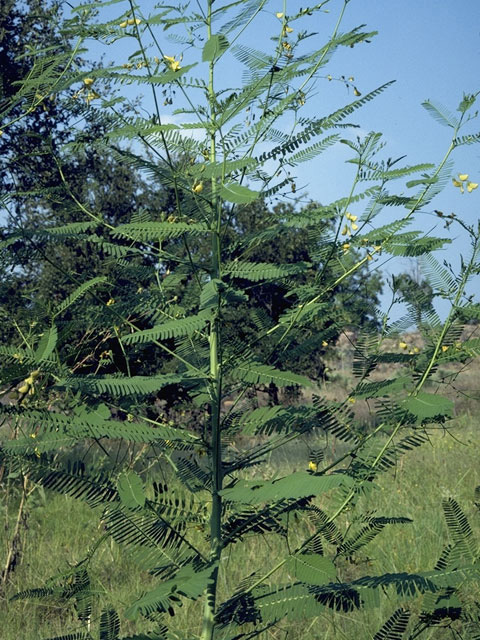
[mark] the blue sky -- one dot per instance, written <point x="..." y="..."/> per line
<point x="430" y="48"/>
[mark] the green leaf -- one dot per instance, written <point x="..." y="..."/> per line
<point x="173" y="329"/>
<point x="130" y="490"/>
<point x="47" y="344"/>
<point x="79" y="292"/>
<point x="441" y="115"/>
<point x="77" y="635"/>
<point x="395" y="627"/>
<point x="381" y="388"/>
<point x="155" y="231"/>
<point x="264" y="374"/>
<point x="467" y="101"/>
<point x="224" y="168"/>
<point x="428" y="405"/>
<point x="297" y="485"/>
<point x="109" y="625"/>
<point x="214" y="47"/>
<point x="312" y="568"/>
<point x="237" y="193"/>
<point x="140" y="385"/>
<point x="187" y="582"/>
<point x="209" y="296"/>
<point x="257" y="271"/>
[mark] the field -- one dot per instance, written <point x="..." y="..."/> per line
<point x="447" y="467"/>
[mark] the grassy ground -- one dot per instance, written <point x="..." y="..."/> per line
<point x="57" y="531"/>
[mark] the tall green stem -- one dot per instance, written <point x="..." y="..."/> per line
<point x="208" y="627"/>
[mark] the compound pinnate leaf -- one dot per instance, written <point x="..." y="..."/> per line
<point x="237" y="193"/>
<point x="428" y="405"/>
<point x="130" y="490"/>
<point x="214" y="47"/>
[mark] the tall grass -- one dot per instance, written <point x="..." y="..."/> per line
<point x="58" y="529"/>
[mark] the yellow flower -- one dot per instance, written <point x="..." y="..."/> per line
<point x="286" y="45"/>
<point x="356" y="92"/>
<point x="110" y="302"/>
<point x="133" y="21"/>
<point x="88" y="82"/>
<point x="1" y="132"/>
<point x="463" y="177"/>
<point x="91" y="95"/>
<point x="198" y="188"/>
<point x="346" y="231"/>
<point x="123" y="24"/>
<point x="354" y="226"/>
<point x="288" y="29"/>
<point x="33" y="435"/>
<point x="351" y="79"/>
<point x="351" y="400"/>
<point x="351" y="217"/>
<point x="174" y="65"/>
<point x="444" y="348"/>
<point x="324" y="343"/>
<point x="313" y="466"/>
<point x="24" y="388"/>
<point x="403" y="345"/>
<point x="345" y="247"/>
<point x="279" y="15"/>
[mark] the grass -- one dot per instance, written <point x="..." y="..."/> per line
<point x="58" y="529"/>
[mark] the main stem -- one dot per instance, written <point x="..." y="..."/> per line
<point x="208" y="627"/>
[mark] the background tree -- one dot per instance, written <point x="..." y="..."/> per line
<point x="40" y="167"/>
<point x="416" y="292"/>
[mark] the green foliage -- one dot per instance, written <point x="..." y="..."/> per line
<point x="196" y="288"/>
<point x="395" y="627"/>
